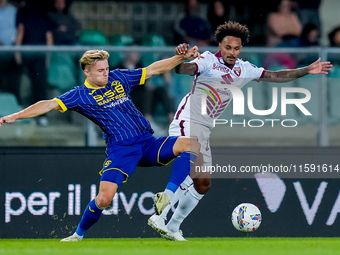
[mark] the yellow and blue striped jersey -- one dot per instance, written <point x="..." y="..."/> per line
<point x="110" y="107"/>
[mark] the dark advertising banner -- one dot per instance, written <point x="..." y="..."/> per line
<point x="43" y="192"/>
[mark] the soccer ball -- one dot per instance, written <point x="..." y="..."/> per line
<point x="246" y="217"/>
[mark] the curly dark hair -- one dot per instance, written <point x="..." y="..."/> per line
<point x="232" y="28"/>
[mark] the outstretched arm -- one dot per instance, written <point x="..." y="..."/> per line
<point x="287" y="75"/>
<point x="185" y="68"/>
<point x="34" y="110"/>
<point x="164" y="65"/>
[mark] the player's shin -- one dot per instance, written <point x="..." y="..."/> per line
<point x="180" y="170"/>
<point x="186" y="204"/>
<point x="91" y="215"/>
<point x="157" y="222"/>
<point x="177" y="195"/>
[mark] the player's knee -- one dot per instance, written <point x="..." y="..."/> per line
<point x="202" y="185"/>
<point x="188" y="144"/>
<point x="103" y="200"/>
<point x="194" y="145"/>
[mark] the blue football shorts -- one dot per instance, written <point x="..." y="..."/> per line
<point x="147" y="150"/>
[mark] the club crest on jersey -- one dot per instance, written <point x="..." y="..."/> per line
<point x="237" y="71"/>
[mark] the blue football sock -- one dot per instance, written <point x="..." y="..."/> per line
<point x="91" y="216"/>
<point x="181" y="169"/>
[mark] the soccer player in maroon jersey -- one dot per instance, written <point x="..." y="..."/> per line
<point x="212" y="72"/>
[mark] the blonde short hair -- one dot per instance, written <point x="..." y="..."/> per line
<point x="91" y="57"/>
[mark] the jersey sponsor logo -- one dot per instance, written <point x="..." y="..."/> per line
<point x="119" y="101"/>
<point x="220" y="68"/>
<point x="117" y="92"/>
<point x="224" y="91"/>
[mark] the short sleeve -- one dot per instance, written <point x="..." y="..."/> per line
<point x="129" y="78"/>
<point x="203" y="63"/>
<point x="254" y="72"/>
<point x="69" y="100"/>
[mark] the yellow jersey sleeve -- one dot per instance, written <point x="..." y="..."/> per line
<point x="61" y="104"/>
<point x="142" y="79"/>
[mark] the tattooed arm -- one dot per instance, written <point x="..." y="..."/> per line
<point x="287" y="75"/>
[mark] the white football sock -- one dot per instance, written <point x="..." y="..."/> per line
<point x="187" y="182"/>
<point x="186" y="204"/>
<point x="177" y="195"/>
<point x="169" y="193"/>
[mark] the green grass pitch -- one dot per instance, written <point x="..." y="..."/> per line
<point x="158" y="246"/>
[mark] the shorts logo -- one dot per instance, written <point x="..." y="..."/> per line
<point x="107" y="163"/>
